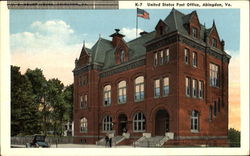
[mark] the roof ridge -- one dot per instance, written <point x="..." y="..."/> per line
<point x="97" y="45"/>
<point x="139" y="37"/>
<point x="175" y="22"/>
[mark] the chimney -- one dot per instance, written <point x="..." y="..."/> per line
<point x="143" y="33"/>
<point x="117" y="37"/>
<point x="222" y="45"/>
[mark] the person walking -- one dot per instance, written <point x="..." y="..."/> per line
<point x="110" y="142"/>
<point x="107" y="140"/>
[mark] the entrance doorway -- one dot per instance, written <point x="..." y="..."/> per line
<point x="122" y="126"/>
<point x="161" y="123"/>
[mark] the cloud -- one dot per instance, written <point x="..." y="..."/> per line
<point x="51" y="45"/>
<point x="130" y="33"/>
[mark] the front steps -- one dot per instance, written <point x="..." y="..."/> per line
<point x="145" y="141"/>
<point x="115" y="139"/>
<point x="156" y="141"/>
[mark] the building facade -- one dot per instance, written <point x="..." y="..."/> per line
<point x="173" y="79"/>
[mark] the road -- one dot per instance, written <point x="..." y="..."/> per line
<point x="76" y="146"/>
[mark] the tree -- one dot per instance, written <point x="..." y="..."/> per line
<point x="68" y="98"/>
<point x="57" y="103"/>
<point x="39" y="88"/>
<point x="24" y="114"/>
<point x="234" y="137"/>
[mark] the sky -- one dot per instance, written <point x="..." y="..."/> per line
<point x="52" y="39"/>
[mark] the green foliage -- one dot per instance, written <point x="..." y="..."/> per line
<point x="56" y="101"/>
<point x="37" y="104"/>
<point x="24" y="115"/>
<point x="234" y="137"/>
<point x="68" y="98"/>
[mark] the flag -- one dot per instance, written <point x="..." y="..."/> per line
<point x="142" y="13"/>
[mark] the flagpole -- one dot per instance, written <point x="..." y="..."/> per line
<point x="136" y="21"/>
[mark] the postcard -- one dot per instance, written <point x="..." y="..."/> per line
<point x="124" y="77"/>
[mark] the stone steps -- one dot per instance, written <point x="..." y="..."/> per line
<point x="155" y="141"/>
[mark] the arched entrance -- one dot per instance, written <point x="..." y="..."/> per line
<point x="161" y="122"/>
<point x="122" y="125"/>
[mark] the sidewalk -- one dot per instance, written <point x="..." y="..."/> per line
<point x="76" y="146"/>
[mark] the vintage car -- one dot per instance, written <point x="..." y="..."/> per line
<point x="38" y="142"/>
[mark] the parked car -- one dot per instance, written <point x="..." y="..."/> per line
<point x="38" y="142"/>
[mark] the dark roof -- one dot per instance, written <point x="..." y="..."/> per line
<point x="103" y="50"/>
<point x="99" y="50"/>
<point x="136" y="50"/>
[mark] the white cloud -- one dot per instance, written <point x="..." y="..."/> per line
<point x="44" y="36"/>
<point x="130" y="33"/>
<point x="51" y="46"/>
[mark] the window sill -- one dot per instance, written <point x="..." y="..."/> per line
<point x="106" y="131"/>
<point x="106" y="105"/>
<point x="194" y="131"/>
<point x="121" y="103"/>
<point x="139" y="131"/>
<point x="138" y="100"/>
<point x="157" y="97"/>
<point x="215" y="87"/>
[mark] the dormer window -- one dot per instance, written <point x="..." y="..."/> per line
<point x="122" y="56"/>
<point x="194" y="32"/>
<point x="161" y="30"/>
<point x="214" y="43"/>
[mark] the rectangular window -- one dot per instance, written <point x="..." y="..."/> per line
<point x="155" y="59"/>
<point x="219" y="105"/>
<point x="81" y="102"/>
<point x="214" y="43"/>
<point x="165" y="86"/>
<point x="194" y="59"/>
<point x="215" y="108"/>
<point x="201" y="89"/>
<point x="157" y="88"/>
<point x="210" y="113"/>
<point x="186" y="56"/>
<point x="188" y="86"/>
<point x="214" y="75"/>
<point x="194" y="88"/>
<point x="85" y="101"/>
<point x="84" y="80"/>
<point x="194" y="32"/>
<point x="80" y="80"/>
<point x="161" y="57"/>
<point x="166" y="55"/>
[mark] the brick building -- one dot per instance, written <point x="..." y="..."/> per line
<point x="173" y="79"/>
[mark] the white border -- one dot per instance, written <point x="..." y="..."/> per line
<point x="244" y="64"/>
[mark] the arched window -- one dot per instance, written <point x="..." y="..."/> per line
<point x="122" y="56"/>
<point x="165" y="86"/>
<point x="107" y="95"/>
<point x="139" y="88"/>
<point x="83" y="125"/>
<point x="139" y="122"/>
<point x="157" y="90"/>
<point x="107" y="123"/>
<point x="122" y="92"/>
<point x="194" y="121"/>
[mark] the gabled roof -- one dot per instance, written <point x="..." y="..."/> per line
<point x="100" y="49"/>
<point x="136" y="49"/>
<point x="103" y="51"/>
